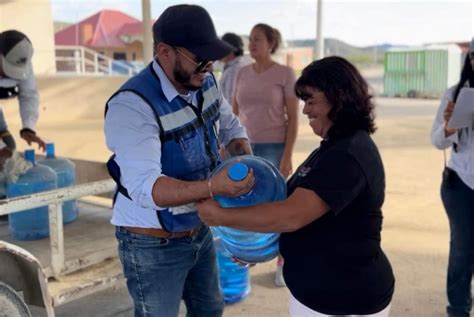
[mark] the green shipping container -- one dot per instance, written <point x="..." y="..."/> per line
<point x="422" y="72"/>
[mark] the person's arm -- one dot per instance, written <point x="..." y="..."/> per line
<point x="301" y="208"/>
<point x="441" y="136"/>
<point x="330" y="186"/>
<point x="291" y="105"/>
<point x="132" y="134"/>
<point x="29" y="110"/>
<point x="231" y="132"/>
<point x="169" y="192"/>
<point x="225" y="85"/>
<point x="235" y="104"/>
<point x="28" y="100"/>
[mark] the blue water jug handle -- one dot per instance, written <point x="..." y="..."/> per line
<point x="238" y="171"/>
<point x="30" y="156"/>
<point x="50" y="150"/>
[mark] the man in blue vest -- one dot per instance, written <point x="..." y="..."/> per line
<point x="164" y="127"/>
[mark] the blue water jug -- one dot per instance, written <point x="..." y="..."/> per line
<point x="234" y="279"/>
<point x="33" y="223"/>
<point x="66" y="172"/>
<point x="269" y="186"/>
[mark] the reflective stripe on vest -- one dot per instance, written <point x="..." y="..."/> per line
<point x="189" y="145"/>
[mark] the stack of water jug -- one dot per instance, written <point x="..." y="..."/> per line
<point x="244" y="246"/>
<point x="47" y="174"/>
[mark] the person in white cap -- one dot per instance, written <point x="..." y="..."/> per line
<point x="17" y="80"/>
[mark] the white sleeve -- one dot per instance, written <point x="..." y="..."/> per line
<point x="29" y="102"/>
<point x="132" y="134"/>
<point x="230" y="127"/>
<point x="438" y="138"/>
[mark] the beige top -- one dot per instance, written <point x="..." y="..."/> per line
<point x="261" y="100"/>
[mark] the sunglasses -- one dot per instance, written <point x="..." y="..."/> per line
<point x="201" y="66"/>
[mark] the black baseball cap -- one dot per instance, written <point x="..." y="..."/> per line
<point x="191" y="27"/>
<point x="16" y="52"/>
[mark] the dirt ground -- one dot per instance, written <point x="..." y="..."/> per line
<point x="415" y="232"/>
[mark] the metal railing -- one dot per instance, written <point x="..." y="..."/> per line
<point x="82" y="60"/>
<point x="54" y="199"/>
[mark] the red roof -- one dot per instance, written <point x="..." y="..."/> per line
<point x="132" y="28"/>
<point x="103" y="29"/>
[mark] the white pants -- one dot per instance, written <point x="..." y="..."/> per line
<point x="299" y="310"/>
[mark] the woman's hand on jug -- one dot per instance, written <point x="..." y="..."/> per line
<point x="210" y="212"/>
<point x="222" y="185"/>
<point x="242" y="262"/>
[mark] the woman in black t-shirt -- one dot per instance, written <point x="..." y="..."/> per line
<point x="332" y="218"/>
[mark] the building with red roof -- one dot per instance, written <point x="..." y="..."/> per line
<point x="110" y="32"/>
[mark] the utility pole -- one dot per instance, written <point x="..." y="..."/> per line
<point x="147" y="34"/>
<point x="319" y="47"/>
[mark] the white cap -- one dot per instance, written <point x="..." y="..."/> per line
<point x="16" y="52"/>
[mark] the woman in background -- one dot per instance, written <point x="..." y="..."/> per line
<point x="457" y="193"/>
<point x="267" y="106"/>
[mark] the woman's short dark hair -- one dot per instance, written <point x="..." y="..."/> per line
<point x="273" y="35"/>
<point x="346" y="91"/>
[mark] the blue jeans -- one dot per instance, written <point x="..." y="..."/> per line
<point x="458" y="200"/>
<point x="160" y="272"/>
<point x="270" y="151"/>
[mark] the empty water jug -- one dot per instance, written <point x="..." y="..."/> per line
<point x="33" y="223"/>
<point x="234" y="279"/>
<point x="269" y="186"/>
<point x="66" y="172"/>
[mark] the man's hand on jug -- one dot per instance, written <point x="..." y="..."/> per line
<point x="210" y="212"/>
<point x="222" y="185"/>
<point x="30" y="137"/>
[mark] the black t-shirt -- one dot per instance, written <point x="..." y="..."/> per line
<point x="335" y="265"/>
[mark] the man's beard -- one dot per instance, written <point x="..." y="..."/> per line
<point x="183" y="77"/>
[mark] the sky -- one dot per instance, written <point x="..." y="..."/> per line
<point x="360" y="23"/>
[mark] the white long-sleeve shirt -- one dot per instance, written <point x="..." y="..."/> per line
<point x="132" y="133"/>
<point x="461" y="160"/>
<point x="27" y="97"/>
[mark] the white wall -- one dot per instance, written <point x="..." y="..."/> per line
<point x="35" y="19"/>
<point x="454" y="62"/>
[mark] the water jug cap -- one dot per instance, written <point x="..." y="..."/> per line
<point x="238" y="171"/>
<point x="50" y="150"/>
<point x="30" y="156"/>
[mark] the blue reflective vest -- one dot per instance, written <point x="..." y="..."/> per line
<point x="189" y="142"/>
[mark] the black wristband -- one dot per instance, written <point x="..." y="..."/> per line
<point x="27" y="130"/>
